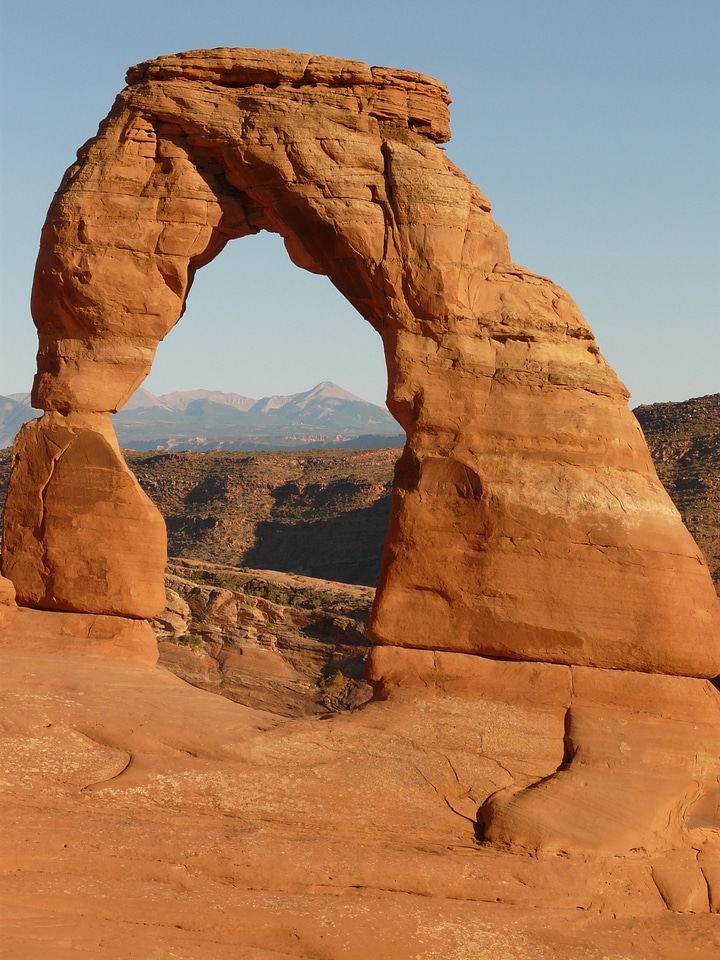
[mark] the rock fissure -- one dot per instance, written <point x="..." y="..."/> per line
<point x="449" y="803"/>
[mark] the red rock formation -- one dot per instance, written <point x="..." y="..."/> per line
<point x="526" y="503"/>
<point x="528" y="522"/>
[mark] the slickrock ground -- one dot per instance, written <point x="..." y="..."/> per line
<point x="145" y="818"/>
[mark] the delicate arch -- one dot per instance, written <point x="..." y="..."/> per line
<point x="525" y="503"/>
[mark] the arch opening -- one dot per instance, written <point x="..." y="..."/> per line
<point x="329" y="514"/>
<point x="257" y="325"/>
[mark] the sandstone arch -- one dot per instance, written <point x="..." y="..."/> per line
<point x="528" y="523"/>
<point x="525" y="503"/>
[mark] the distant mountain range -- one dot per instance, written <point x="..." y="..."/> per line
<point x="13" y="414"/>
<point x="326" y="416"/>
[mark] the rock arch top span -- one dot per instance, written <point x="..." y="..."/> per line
<point x="527" y="522"/>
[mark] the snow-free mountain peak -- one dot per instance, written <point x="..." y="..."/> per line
<point x="326" y="415"/>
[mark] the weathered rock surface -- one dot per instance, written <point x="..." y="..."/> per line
<point x="525" y="503"/>
<point x="640" y="752"/>
<point x="79" y="532"/>
<point x="145" y="818"/>
<point x="50" y="633"/>
<point x="7" y="592"/>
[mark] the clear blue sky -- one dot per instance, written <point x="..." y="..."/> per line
<point x="592" y="125"/>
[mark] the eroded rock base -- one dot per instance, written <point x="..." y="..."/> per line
<point x="638" y="755"/>
<point x="90" y="635"/>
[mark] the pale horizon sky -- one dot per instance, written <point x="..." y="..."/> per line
<point x="592" y="127"/>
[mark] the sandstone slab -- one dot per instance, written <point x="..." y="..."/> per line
<point x="83" y="634"/>
<point x="638" y="755"/>
<point x="145" y="817"/>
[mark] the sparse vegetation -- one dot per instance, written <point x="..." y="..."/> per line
<point x="192" y="640"/>
<point x="291" y="597"/>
